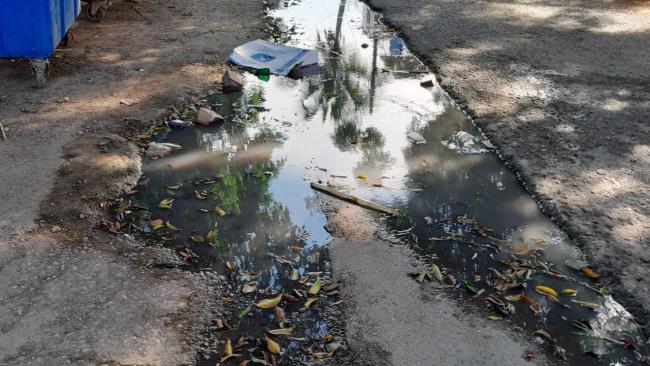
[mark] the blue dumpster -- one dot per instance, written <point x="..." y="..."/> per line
<point x="34" y="28"/>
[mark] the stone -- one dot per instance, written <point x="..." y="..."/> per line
<point x="232" y="81"/>
<point x="206" y="116"/>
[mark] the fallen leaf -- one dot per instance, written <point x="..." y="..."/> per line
<point x="219" y="211"/>
<point x="258" y="360"/>
<point x="313" y="290"/>
<point x="249" y="287"/>
<point x="279" y="314"/>
<point x="210" y="235"/>
<point x="296" y="248"/>
<point x="197" y="238"/>
<point x="494" y="317"/>
<point x="156" y="224"/>
<point x="295" y="275"/>
<point x="362" y="176"/>
<point x="201" y="194"/>
<point x="171" y="226"/>
<point x="309" y="302"/>
<point x="272" y="346"/>
<point x="269" y="303"/>
<point x="586" y="304"/>
<point x="569" y="292"/>
<point x="281" y="331"/>
<point x="245" y="312"/>
<point x="470" y="287"/>
<point x="545" y="290"/>
<point x="589" y="272"/>
<point x="544" y="334"/>
<point x="228" y="351"/>
<point x="166" y="203"/>
<point x="231" y="265"/>
<point x="436" y="272"/>
<point x="228" y="299"/>
<point x="513" y="298"/>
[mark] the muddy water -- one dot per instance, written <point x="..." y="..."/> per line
<point x="244" y="207"/>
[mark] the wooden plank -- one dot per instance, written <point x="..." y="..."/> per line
<point x="356" y="200"/>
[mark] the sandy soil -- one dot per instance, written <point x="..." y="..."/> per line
<point x="69" y="292"/>
<point x="562" y="89"/>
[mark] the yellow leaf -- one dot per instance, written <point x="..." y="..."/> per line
<point x="362" y="176"/>
<point x="210" y="234"/>
<point x="197" y="238"/>
<point x="272" y="346"/>
<point x="545" y="290"/>
<point x="295" y="275"/>
<point x="281" y="331"/>
<point x="166" y="203"/>
<point x="313" y="290"/>
<point x="569" y="292"/>
<point x="171" y="227"/>
<point x="219" y="211"/>
<point x="269" y="303"/>
<point x="513" y="298"/>
<point x="309" y="302"/>
<point x="296" y="248"/>
<point x="228" y="349"/>
<point x="589" y="272"/>
<point x="231" y="265"/>
<point x="494" y="317"/>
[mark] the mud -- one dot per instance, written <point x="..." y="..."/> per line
<point x="540" y="81"/>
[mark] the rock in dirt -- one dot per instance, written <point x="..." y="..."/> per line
<point x="160" y="149"/>
<point x="206" y="116"/>
<point x="232" y="81"/>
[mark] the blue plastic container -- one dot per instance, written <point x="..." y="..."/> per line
<point x="34" y="28"/>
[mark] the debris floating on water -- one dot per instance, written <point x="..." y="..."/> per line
<point x="416" y="138"/>
<point x="356" y="200"/>
<point x="206" y="116"/>
<point x="277" y="58"/>
<point x="160" y="149"/>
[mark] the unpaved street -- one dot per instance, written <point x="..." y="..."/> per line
<point x="70" y="294"/>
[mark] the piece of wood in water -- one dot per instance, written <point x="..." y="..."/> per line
<point x="356" y="200"/>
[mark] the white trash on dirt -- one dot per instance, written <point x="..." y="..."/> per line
<point x="466" y="143"/>
<point x="160" y="149"/>
<point x="279" y="59"/>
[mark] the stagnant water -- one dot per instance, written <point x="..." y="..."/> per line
<point x="243" y="189"/>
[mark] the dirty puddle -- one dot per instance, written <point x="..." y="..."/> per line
<point x="237" y="200"/>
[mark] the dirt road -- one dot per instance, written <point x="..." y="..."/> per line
<point x="69" y="293"/>
<point x="562" y="90"/>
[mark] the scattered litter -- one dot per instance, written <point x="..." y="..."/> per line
<point x="177" y="123"/>
<point x="416" y="138"/>
<point x="279" y="59"/>
<point x="206" y="116"/>
<point x="356" y="200"/>
<point x="232" y="81"/>
<point x="160" y="149"/>
<point x="428" y="81"/>
<point x="465" y="143"/>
